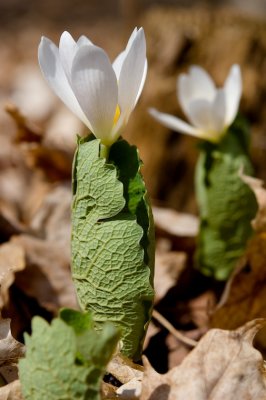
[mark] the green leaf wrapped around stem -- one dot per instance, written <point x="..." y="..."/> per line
<point x="227" y="205"/>
<point x="113" y="240"/>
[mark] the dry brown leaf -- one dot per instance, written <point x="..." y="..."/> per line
<point x="124" y="369"/>
<point x="224" y="365"/>
<point x="130" y="390"/>
<point x="12" y="391"/>
<point x="178" y="230"/>
<point x="129" y="374"/>
<point x="12" y="259"/>
<point x="9" y="225"/>
<point x="55" y="164"/>
<point x="37" y="191"/>
<point x="15" y="183"/>
<point x="10" y="352"/>
<point x="174" y="223"/>
<point x="177" y="351"/>
<point x="245" y="293"/>
<point x="31" y="93"/>
<point x="168" y="267"/>
<point x="26" y="130"/>
<point x="108" y="391"/>
<point x="61" y="130"/>
<point x="47" y="277"/>
<point x="52" y="219"/>
<point x="259" y="223"/>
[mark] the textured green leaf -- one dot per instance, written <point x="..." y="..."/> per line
<point x="226" y="203"/>
<point x="80" y="322"/>
<point x="128" y="164"/>
<point x="63" y="365"/>
<point x="93" y="349"/>
<point x="113" y="241"/>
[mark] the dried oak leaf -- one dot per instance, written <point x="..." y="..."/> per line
<point x="168" y="268"/>
<point x="129" y="374"/>
<point x="26" y="130"/>
<point x="54" y="163"/>
<point x="124" y="369"/>
<point x="180" y="228"/>
<point x="47" y="277"/>
<point x="174" y="223"/>
<point x="8" y="222"/>
<point x="10" y="352"/>
<point x="224" y="365"/>
<point x="12" y="391"/>
<point x="244" y="297"/>
<point x="52" y="220"/>
<point x="130" y="390"/>
<point x="12" y="259"/>
<point x="259" y="223"/>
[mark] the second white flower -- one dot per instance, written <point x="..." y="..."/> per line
<point x="209" y="110"/>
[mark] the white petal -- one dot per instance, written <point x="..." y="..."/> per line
<point x="118" y="62"/>
<point x="209" y="117"/>
<point x="68" y="48"/>
<point x="67" y="51"/>
<point x="202" y="82"/>
<point x="53" y="72"/>
<point x="233" y="90"/>
<point x="174" y="123"/>
<point x="132" y="37"/>
<point x="117" y="65"/>
<point x="184" y="91"/>
<point x="83" y="40"/>
<point x="124" y="116"/>
<point x="200" y="114"/>
<point x="196" y="85"/>
<point x="132" y="73"/>
<point x="95" y="86"/>
<point x="142" y="81"/>
<point x="219" y="111"/>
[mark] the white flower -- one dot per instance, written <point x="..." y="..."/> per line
<point x="102" y="95"/>
<point x="210" y="110"/>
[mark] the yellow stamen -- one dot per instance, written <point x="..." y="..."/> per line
<point x="117" y="114"/>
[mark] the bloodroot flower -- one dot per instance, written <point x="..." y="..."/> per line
<point x="209" y="110"/>
<point x="101" y="94"/>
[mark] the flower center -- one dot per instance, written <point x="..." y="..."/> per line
<point x="117" y="114"/>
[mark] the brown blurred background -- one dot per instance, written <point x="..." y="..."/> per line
<point x="213" y="34"/>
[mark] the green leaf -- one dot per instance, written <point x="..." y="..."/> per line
<point x="113" y="241"/>
<point x="89" y="346"/>
<point x="128" y="163"/>
<point x="61" y="364"/>
<point x="80" y="322"/>
<point x="227" y="205"/>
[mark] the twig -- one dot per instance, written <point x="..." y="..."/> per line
<point x="178" y="335"/>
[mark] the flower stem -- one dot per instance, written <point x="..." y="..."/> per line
<point x="104" y="151"/>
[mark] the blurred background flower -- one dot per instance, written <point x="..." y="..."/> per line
<point x="209" y="110"/>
